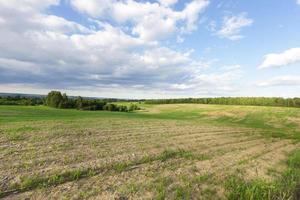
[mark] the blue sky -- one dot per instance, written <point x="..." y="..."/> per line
<point x="151" y="48"/>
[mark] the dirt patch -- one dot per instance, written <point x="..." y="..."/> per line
<point x="294" y="120"/>
<point x="175" y="107"/>
<point x="231" y="114"/>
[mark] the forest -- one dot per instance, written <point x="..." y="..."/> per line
<point x="19" y="100"/>
<point x="249" y="101"/>
<point x="56" y="99"/>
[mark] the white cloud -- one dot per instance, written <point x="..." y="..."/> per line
<point x="232" y="26"/>
<point x="109" y="37"/>
<point x="150" y="21"/>
<point x="211" y="84"/>
<point x="55" y="23"/>
<point x="281" y="81"/>
<point x="55" y="53"/>
<point x="298" y="2"/>
<point x="153" y="28"/>
<point x="18" y="65"/>
<point x="191" y="13"/>
<point x="27" y="5"/>
<point x="2" y="21"/>
<point x="167" y="2"/>
<point x="94" y="8"/>
<point x="285" y="58"/>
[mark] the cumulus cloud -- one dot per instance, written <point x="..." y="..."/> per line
<point x="191" y="13"/>
<point x="216" y="83"/>
<point x="285" y="58"/>
<point x="94" y="8"/>
<point x="150" y="20"/>
<point x="232" y="26"/>
<point x="154" y="28"/>
<point x="28" y="5"/>
<point x="281" y="81"/>
<point x="202" y="82"/>
<point x="18" y="65"/>
<point x="167" y="2"/>
<point x="59" y="24"/>
<point x="55" y="53"/>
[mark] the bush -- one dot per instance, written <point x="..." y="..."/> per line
<point x="111" y="107"/>
<point x="133" y="107"/>
<point x="123" y="108"/>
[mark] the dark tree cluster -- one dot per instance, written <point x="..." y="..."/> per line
<point x="57" y="100"/>
<point x="22" y="101"/>
<point x="252" y="101"/>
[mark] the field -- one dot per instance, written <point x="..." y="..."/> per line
<point x="178" y="151"/>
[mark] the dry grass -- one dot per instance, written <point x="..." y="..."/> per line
<point x="130" y="154"/>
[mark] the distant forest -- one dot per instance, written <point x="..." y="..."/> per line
<point x="21" y="100"/>
<point x="56" y="99"/>
<point x="251" y="101"/>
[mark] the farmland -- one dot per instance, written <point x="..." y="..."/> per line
<point x="178" y="151"/>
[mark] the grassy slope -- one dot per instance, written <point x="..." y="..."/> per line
<point x="275" y="121"/>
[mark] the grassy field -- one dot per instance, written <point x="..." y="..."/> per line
<point x="178" y="151"/>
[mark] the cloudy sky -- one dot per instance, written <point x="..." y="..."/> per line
<point x="151" y="48"/>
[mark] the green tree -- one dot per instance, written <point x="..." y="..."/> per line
<point x="54" y="99"/>
<point x="79" y="103"/>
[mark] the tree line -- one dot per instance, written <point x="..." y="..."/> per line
<point x="18" y="100"/>
<point x="57" y="100"/>
<point x="252" y="101"/>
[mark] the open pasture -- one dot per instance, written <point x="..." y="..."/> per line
<point x="161" y="152"/>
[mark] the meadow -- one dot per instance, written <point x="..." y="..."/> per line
<point x="172" y="151"/>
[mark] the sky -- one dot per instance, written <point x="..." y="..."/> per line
<point x="151" y="48"/>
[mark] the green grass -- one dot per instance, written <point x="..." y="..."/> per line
<point x="161" y="188"/>
<point x="18" y="133"/>
<point x="273" y="121"/>
<point x="202" y="178"/>
<point x="41" y="113"/>
<point x="14" y="136"/>
<point x="286" y="187"/>
<point x="129" y="189"/>
<point x="183" y="192"/>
